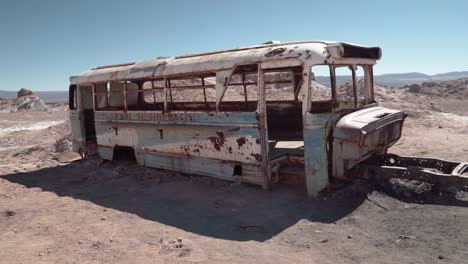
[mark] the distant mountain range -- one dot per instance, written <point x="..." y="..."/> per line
<point x="46" y="96"/>
<point x="402" y="79"/>
<point x="392" y="80"/>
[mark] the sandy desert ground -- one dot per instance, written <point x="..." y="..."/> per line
<point x="86" y="212"/>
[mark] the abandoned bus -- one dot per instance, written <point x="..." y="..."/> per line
<point x="260" y="114"/>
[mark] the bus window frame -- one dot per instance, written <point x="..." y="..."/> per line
<point x="368" y="81"/>
<point x="72" y="97"/>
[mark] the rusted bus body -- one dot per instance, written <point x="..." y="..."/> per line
<point x="248" y="114"/>
<point x="220" y="145"/>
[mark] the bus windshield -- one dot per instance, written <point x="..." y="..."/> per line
<point x="348" y="86"/>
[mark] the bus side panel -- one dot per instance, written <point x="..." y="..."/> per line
<point x="219" y="169"/>
<point x="315" y="152"/>
<point x="222" y="145"/>
<point x="77" y="132"/>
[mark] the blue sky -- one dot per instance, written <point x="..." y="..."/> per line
<point x="44" y="42"/>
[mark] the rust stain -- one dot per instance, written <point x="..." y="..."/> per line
<point x="186" y="149"/>
<point x="274" y="52"/>
<point x="258" y="157"/>
<point x="241" y="141"/>
<point x="214" y="140"/>
<point x="218" y="141"/>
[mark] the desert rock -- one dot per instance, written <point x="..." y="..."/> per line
<point x="30" y="103"/>
<point x="24" y="92"/>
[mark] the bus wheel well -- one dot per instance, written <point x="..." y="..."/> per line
<point x="124" y="153"/>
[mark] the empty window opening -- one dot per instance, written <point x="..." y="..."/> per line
<point x="321" y="92"/>
<point x="191" y="93"/>
<point x="242" y="90"/>
<point x="131" y="96"/>
<point x="151" y="97"/>
<point x="283" y="84"/>
<point x="345" y="86"/>
<point x="111" y="97"/>
<point x="72" y="98"/>
<point x="340" y="86"/>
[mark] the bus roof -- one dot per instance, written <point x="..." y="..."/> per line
<point x="314" y="52"/>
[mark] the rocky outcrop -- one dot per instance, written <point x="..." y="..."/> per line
<point x="457" y="89"/>
<point x="26" y="101"/>
<point x="30" y="103"/>
<point x="24" y="92"/>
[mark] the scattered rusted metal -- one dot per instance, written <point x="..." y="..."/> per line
<point x="435" y="171"/>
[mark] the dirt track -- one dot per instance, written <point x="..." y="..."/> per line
<point x="122" y="213"/>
